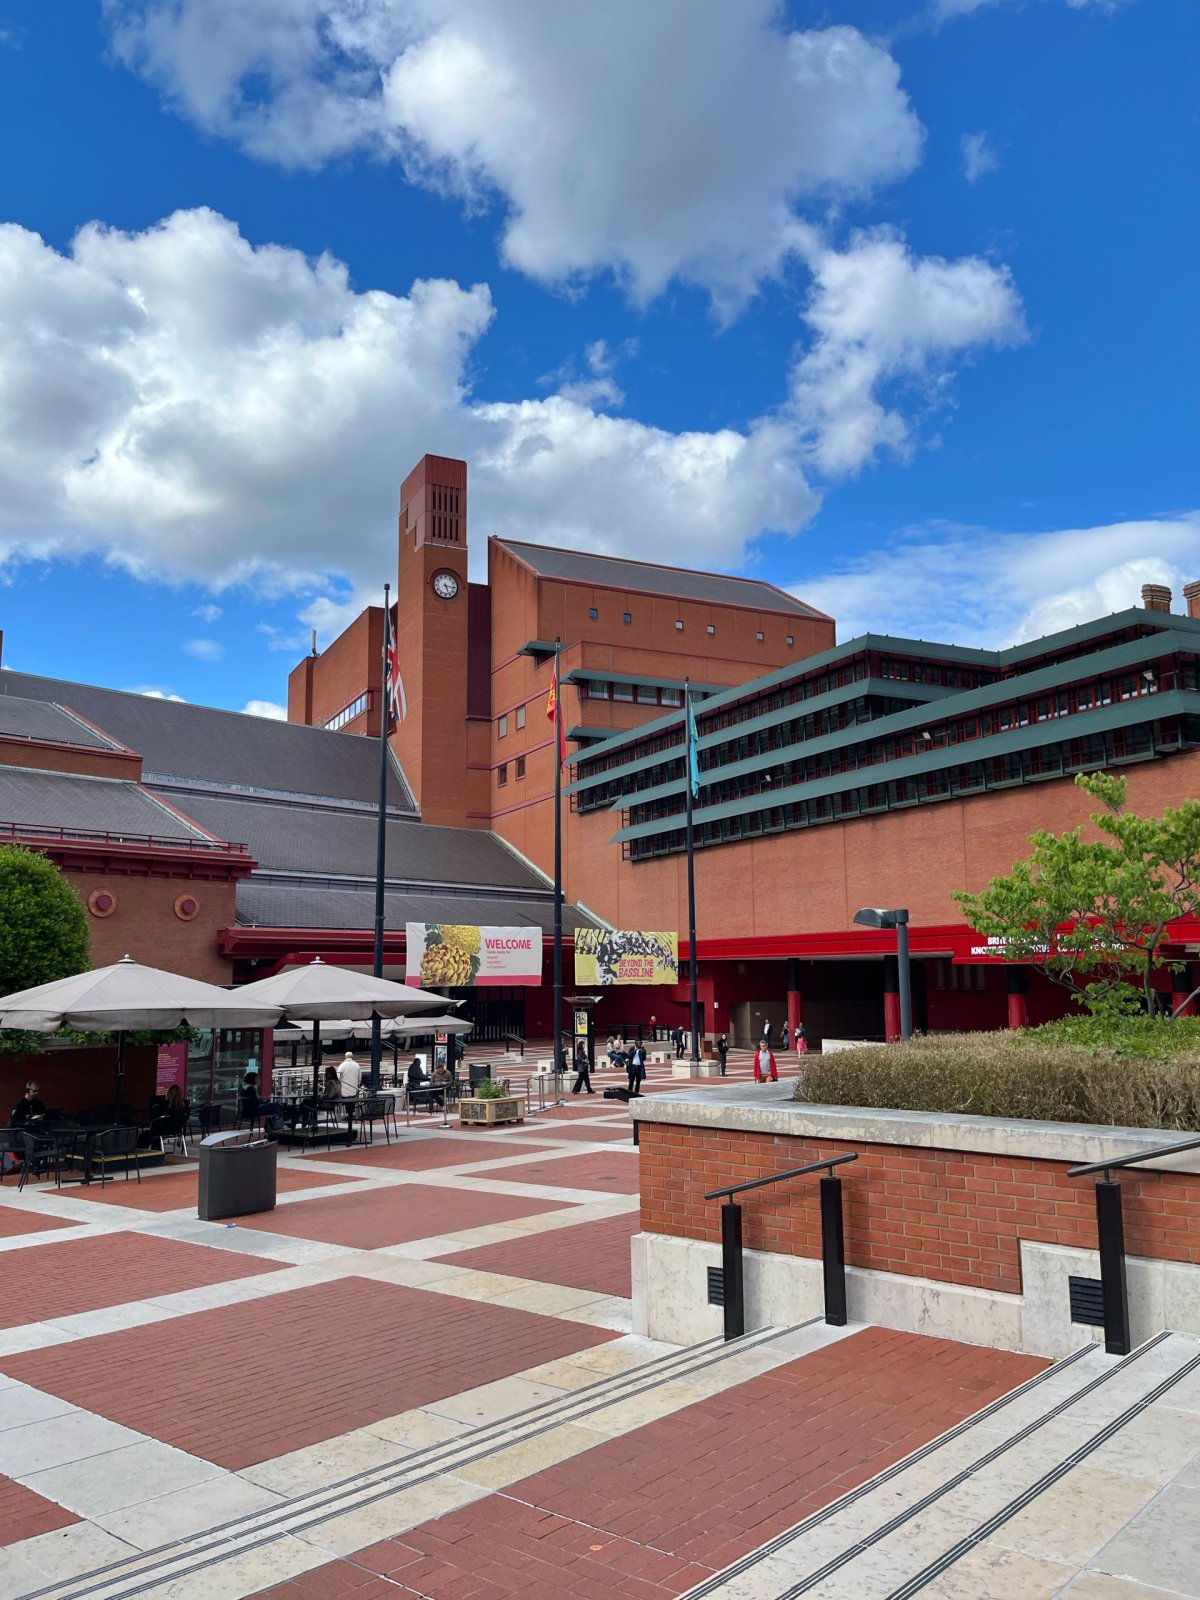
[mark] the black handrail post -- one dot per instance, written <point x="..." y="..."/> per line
<point x="731" y="1263"/>
<point x="1110" y="1225"/>
<point x="833" y="1251"/>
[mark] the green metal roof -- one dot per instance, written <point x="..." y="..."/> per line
<point x="1125" y="713"/>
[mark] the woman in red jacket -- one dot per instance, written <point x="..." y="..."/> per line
<point x="764" y="1064"/>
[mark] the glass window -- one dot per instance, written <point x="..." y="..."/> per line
<point x="626" y="616"/>
<point x="678" y="627"/>
<point x="596" y="690"/>
<point x="520" y="716"/>
<point x="622" y="691"/>
<point x="760" y="637"/>
<point x="672" y="697"/>
<point x="646" y="694"/>
<point x="520" y="766"/>
<point x="710" y="629"/>
<point x="502" y="775"/>
<point x="593" y="613"/>
<point x="502" y="727"/>
<point x="790" y="639"/>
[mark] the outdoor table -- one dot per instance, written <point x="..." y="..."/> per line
<point x="76" y="1143"/>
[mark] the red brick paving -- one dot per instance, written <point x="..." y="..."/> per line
<point x="419" y="1155"/>
<point x="24" y="1514"/>
<point x="335" y="1580"/>
<point x="646" y="1516"/>
<point x="50" y="1281"/>
<point x="593" y="1255"/>
<point x="617" y="1172"/>
<point x="379" y="1217"/>
<point x="252" y="1381"/>
<point x="597" y="1135"/>
<point x="14" y="1222"/>
<point x="180" y="1189"/>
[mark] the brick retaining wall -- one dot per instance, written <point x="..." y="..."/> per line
<point x="950" y="1215"/>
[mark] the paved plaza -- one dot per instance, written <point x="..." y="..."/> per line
<point x="417" y="1377"/>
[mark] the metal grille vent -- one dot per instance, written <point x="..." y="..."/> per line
<point x="716" y="1286"/>
<point x="1087" y="1301"/>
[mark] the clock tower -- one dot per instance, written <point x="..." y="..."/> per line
<point x="431" y="637"/>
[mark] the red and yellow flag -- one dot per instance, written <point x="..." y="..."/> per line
<point x="554" y="714"/>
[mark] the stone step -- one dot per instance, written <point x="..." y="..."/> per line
<point x="901" y="1531"/>
<point x="156" y="1571"/>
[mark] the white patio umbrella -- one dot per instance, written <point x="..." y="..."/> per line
<point x="126" y="996"/>
<point x="319" y="993"/>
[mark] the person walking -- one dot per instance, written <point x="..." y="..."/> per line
<point x="677" y="1041"/>
<point x="636" y="1071"/>
<point x="764" y="1063"/>
<point x="583" y="1070"/>
<point x="723" y="1053"/>
<point x="783" y="1038"/>
<point x="766" y="1033"/>
<point x="801" y="1040"/>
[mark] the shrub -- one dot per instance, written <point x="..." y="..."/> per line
<point x="43" y="932"/>
<point x="490" y="1089"/>
<point x="1051" y="1074"/>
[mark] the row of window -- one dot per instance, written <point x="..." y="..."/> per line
<point x="710" y="628"/>
<point x="357" y="706"/>
<point x="1023" y="766"/>
<point x="643" y="694"/>
<point x="502" y="722"/>
<point x="502" y="772"/>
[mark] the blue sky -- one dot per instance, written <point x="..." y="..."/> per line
<point x="893" y="305"/>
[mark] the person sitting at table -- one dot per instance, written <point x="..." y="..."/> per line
<point x="171" y="1120"/>
<point x="416" y="1078"/>
<point x="331" y="1089"/>
<point x="28" y="1110"/>
<point x="248" y="1098"/>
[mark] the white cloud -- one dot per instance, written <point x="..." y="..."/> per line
<point x="974" y="586"/>
<point x="883" y="319"/>
<point x="160" y="694"/>
<point x="204" y="649"/>
<point x="199" y="409"/>
<point x="978" y="157"/>
<point x="208" y="613"/>
<point x="598" y="386"/>
<point x="672" y="139"/>
<point x="946" y="10"/>
<point x="265" y="708"/>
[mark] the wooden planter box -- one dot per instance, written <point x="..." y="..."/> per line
<point x="488" y="1113"/>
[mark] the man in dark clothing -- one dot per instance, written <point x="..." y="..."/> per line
<point x="723" y="1052"/>
<point x="28" y="1109"/>
<point x="636" y="1070"/>
<point x="583" y="1070"/>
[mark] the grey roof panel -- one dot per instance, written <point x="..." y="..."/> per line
<point x="40" y="719"/>
<point x="285" y="906"/>
<point x="179" y="740"/>
<point x="295" y="838"/>
<point x="577" y="566"/>
<point x="114" y="806"/>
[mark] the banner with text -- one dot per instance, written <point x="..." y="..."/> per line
<point x="459" y="955"/>
<point x="604" y="955"/>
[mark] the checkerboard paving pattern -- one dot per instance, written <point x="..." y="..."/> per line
<point x="591" y="1255"/>
<point x="245" y="1383"/>
<point x="425" y="1153"/>
<point x="600" y="1171"/>
<point x="395" y="1215"/>
<point x="13" y="1222"/>
<point x="178" y="1190"/>
<point x="62" y="1278"/>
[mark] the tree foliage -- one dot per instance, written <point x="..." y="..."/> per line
<point x="44" y="931"/>
<point x="1094" y="913"/>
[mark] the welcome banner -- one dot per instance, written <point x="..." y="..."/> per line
<point x="459" y="955"/>
<point x="613" y="955"/>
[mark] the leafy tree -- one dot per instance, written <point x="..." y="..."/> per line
<point x="43" y="931"/>
<point x="1093" y="913"/>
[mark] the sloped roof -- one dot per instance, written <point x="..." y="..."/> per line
<point x="296" y="838"/>
<point x="223" y="748"/>
<point x="40" y="719"/>
<point x="644" y="577"/>
<point x="99" y="805"/>
<point x="271" y="905"/>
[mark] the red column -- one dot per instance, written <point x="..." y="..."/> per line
<point x="1182" y="984"/>
<point x="1018" y="1003"/>
<point x="891" y="999"/>
<point x="794" y="1014"/>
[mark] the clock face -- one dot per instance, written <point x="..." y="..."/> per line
<point x="445" y="585"/>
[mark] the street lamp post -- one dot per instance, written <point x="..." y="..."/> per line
<point x="874" y="917"/>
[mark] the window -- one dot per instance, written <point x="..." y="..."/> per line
<point x="760" y="637"/>
<point x="710" y="628"/>
<point x="790" y="639"/>
<point x="672" y="697"/>
<point x="622" y="691"/>
<point x="626" y="617"/>
<point x="679" y="627"/>
<point x="646" y="694"/>
<point x="593" y="613"/>
<point x="520" y="766"/>
<point x="520" y="720"/>
<point x="595" y="689"/>
<point x="348" y="713"/>
<point x="502" y="775"/>
<point x="502" y="728"/>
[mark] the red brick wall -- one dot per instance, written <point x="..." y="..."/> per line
<point x="73" y="1080"/>
<point x="949" y="1215"/>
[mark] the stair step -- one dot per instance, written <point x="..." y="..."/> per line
<point x="889" y="1538"/>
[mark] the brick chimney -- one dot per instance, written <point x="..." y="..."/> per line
<point x="1157" y="597"/>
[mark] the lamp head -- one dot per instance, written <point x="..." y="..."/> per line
<point x="877" y="917"/>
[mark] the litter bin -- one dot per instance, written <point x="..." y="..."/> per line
<point x="237" y="1175"/>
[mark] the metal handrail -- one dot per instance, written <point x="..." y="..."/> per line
<point x="779" y="1177"/>
<point x="1132" y="1161"/>
<point x="40" y="830"/>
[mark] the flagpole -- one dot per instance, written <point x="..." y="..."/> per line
<point x="381" y="836"/>
<point x="692" y="776"/>
<point x="557" y="874"/>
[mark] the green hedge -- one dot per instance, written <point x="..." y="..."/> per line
<point x="1147" y="1076"/>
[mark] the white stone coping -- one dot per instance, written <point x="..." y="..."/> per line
<point x="755" y="1108"/>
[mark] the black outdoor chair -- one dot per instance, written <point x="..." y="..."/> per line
<point x="210" y="1117"/>
<point x="41" y="1158"/>
<point x="116" y="1144"/>
<point x="12" y="1148"/>
<point x="375" y="1108"/>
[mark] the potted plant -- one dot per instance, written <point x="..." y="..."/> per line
<point x="492" y="1105"/>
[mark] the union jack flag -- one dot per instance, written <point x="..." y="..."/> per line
<point x="397" y="700"/>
